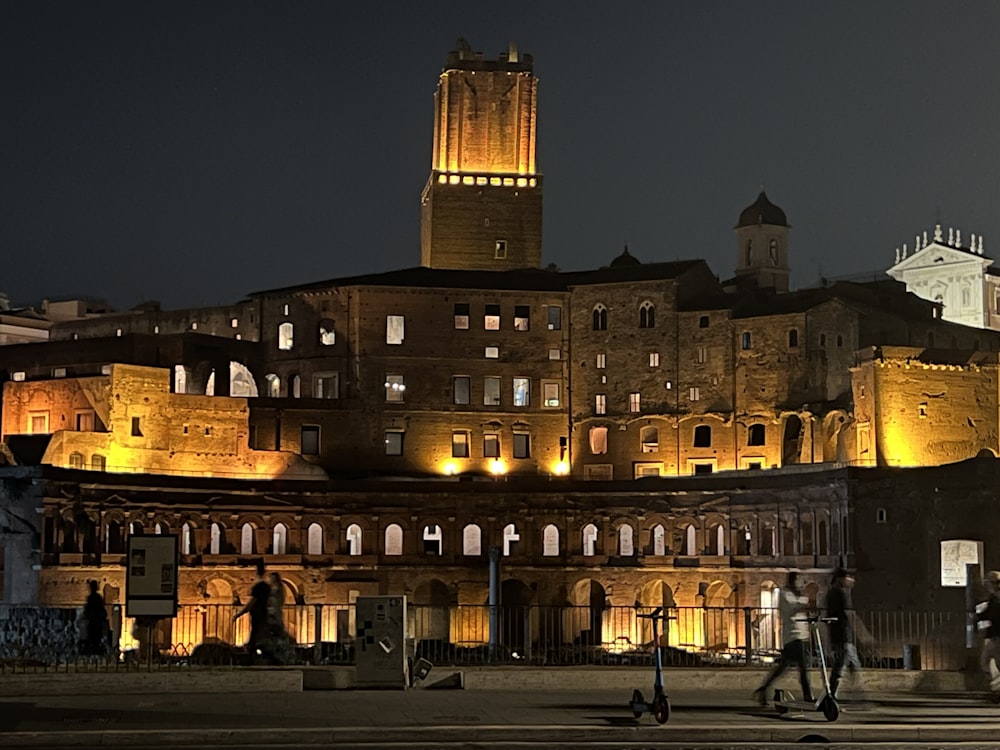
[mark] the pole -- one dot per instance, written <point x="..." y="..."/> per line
<point x="494" y="601"/>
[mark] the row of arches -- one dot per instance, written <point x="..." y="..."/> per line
<point x="765" y="534"/>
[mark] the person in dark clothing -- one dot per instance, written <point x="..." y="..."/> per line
<point x="257" y="608"/>
<point x="793" y="611"/>
<point x="988" y="623"/>
<point x="96" y="629"/>
<point x="840" y="606"/>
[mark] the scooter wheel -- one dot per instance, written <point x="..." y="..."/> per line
<point x="831" y="709"/>
<point x="661" y="709"/>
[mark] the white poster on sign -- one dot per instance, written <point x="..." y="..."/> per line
<point x="955" y="555"/>
<point x="151" y="576"/>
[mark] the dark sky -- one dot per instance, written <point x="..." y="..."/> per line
<point x="193" y="152"/>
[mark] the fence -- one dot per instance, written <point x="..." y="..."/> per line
<point x="460" y="635"/>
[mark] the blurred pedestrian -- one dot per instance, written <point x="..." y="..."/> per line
<point x="839" y="605"/>
<point x="96" y="628"/>
<point x="257" y="607"/>
<point x="793" y="611"/>
<point x="278" y="645"/>
<point x="988" y="622"/>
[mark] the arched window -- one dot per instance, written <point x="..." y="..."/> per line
<point x="327" y="333"/>
<point x="181" y="377"/>
<point x="273" y="389"/>
<point x="472" y="541"/>
<point x="659" y="540"/>
<point x="353" y="536"/>
<point x="550" y="541"/>
<point x="510" y="539"/>
<point x="649" y="438"/>
<point x="215" y="540"/>
<point x="285" y="331"/>
<point x="772" y="252"/>
<point x="625" y="546"/>
<point x="393" y="539"/>
<point x="703" y="436"/>
<point x="97" y="462"/>
<point x="314" y="539"/>
<point x="690" y="540"/>
<point x="279" y="539"/>
<point x="647" y="315"/>
<point x="703" y="321"/>
<point x="75" y="460"/>
<point x="187" y="544"/>
<point x="717" y="539"/>
<point x="295" y="387"/>
<point x="756" y="434"/>
<point x="589" y="540"/>
<point x="746" y="341"/>
<point x="247" y="539"/>
<point x="160" y="528"/>
<point x="793" y="338"/>
<point x="112" y="537"/>
<point x="433" y="540"/>
<point x="749" y="253"/>
<point x="600" y="318"/>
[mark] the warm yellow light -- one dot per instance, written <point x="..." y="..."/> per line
<point x="468" y="180"/>
<point x="532" y="182"/>
<point x="508" y="181"/>
<point x="442" y="178"/>
<point x="495" y="181"/>
<point x="497" y="466"/>
<point x="454" y="179"/>
<point x="561" y="468"/>
<point x="450" y="468"/>
<point x="522" y="182"/>
<point x="480" y="180"/>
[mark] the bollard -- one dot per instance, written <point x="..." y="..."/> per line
<point x="911" y="656"/>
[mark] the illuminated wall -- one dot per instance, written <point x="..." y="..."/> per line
<point x="129" y="421"/>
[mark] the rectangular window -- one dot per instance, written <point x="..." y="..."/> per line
<point x="598" y="440"/>
<point x="58" y="372"/>
<point x="634" y="402"/>
<point x="394" y="329"/>
<point x="85" y="421"/>
<point x="462" y="316"/>
<point x="309" y="440"/>
<point x="522" y="445"/>
<point x="555" y="354"/>
<point x="522" y="391"/>
<point x="18" y="376"/>
<point x="491" y="321"/>
<point x="654" y="359"/>
<point x="461" y="386"/>
<point x="694" y="393"/>
<point x="491" y="391"/>
<point x="550" y="393"/>
<point x="500" y="250"/>
<point x="702" y="355"/>
<point x="522" y="318"/>
<point x="555" y="317"/>
<point x="492" y="352"/>
<point x="491" y="445"/>
<point x="600" y="404"/>
<point x="38" y="422"/>
<point x="459" y="445"/>
<point x="602" y="361"/>
<point x="136" y="427"/>
<point x="326" y="385"/>
<point x="394" y="388"/>
<point x="393" y="443"/>
<point x="746" y="341"/>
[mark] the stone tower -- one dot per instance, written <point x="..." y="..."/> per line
<point x="762" y="246"/>
<point x="482" y="206"/>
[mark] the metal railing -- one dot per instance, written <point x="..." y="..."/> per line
<point x="206" y="634"/>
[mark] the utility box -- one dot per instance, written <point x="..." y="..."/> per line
<point x="380" y="647"/>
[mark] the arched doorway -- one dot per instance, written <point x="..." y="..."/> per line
<point x="791" y="444"/>
<point x="430" y="617"/>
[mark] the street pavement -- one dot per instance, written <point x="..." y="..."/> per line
<point x="456" y="718"/>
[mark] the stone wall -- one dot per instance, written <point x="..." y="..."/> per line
<point x="48" y="635"/>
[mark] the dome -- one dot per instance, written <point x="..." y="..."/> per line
<point x="625" y="259"/>
<point x="762" y="211"/>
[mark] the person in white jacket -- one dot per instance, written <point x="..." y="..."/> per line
<point x="792" y="608"/>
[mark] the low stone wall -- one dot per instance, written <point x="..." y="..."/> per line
<point x="42" y="635"/>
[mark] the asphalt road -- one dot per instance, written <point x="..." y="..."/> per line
<point x="377" y="720"/>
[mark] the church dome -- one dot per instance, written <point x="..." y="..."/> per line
<point x="625" y="259"/>
<point x="762" y="211"/>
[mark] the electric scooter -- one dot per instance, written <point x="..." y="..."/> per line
<point x="784" y="700"/>
<point x="660" y="705"/>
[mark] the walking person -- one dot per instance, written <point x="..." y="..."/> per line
<point x="257" y="608"/>
<point x="96" y="627"/>
<point x="792" y="609"/>
<point x="842" y="638"/>
<point x="988" y="623"/>
<point x="278" y="647"/>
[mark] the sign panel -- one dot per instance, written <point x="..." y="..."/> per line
<point x="955" y="555"/>
<point x="151" y="576"/>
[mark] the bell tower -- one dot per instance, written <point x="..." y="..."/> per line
<point x="762" y="246"/>
<point x="481" y="208"/>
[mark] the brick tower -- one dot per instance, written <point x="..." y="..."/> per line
<point x="482" y="206"/>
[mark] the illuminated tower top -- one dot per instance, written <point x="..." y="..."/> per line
<point x="481" y="208"/>
<point x="485" y="114"/>
<point x="762" y="245"/>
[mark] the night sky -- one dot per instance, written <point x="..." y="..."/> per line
<point x="195" y="152"/>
